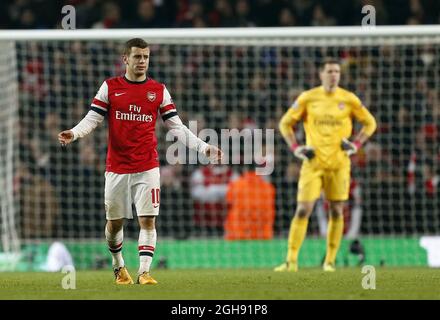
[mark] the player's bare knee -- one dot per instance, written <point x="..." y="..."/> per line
<point x="335" y="214"/>
<point x="336" y="209"/>
<point x="147" y="222"/>
<point x="113" y="226"/>
<point x="303" y="212"/>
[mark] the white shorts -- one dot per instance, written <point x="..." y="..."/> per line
<point x="142" y="189"/>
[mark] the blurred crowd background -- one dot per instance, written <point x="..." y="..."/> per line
<point x="45" y="14"/>
<point x="395" y="177"/>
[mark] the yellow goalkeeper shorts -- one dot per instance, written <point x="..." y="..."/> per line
<point x="335" y="183"/>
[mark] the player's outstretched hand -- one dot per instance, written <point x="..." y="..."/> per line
<point x="350" y="147"/>
<point x="65" y="137"/>
<point x="303" y="152"/>
<point x="214" y="154"/>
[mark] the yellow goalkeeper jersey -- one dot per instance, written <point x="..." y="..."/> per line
<point x="327" y="118"/>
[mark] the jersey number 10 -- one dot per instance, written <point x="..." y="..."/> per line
<point x="155" y="196"/>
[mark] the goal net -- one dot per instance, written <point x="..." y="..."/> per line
<point x="221" y="79"/>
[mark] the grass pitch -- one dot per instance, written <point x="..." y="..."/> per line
<point x="230" y="284"/>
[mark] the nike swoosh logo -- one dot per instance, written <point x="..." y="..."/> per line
<point x="156" y="206"/>
<point x="119" y="94"/>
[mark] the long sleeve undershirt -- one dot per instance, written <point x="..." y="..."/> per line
<point x="174" y="124"/>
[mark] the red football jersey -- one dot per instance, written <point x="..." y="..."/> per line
<point x="132" y="109"/>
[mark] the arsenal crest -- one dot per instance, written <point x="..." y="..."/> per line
<point x="151" y="96"/>
<point x="341" y="106"/>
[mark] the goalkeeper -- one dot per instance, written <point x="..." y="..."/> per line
<point x="327" y="112"/>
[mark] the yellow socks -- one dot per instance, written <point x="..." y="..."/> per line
<point x="297" y="233"/>
<point x="335" y="230"/>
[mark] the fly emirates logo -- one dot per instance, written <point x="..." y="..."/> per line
<point x="134" y="115"/>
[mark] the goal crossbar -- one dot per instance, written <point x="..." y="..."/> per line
<point x="302" y="36"/>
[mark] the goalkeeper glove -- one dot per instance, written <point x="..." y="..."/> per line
<point x="350" y="147"/>
<point x="303" y="152"/>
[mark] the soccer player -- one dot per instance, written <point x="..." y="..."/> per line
<point x="327" y="112"/>
<point x="132" y="104"/>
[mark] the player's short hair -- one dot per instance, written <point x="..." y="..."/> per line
<point x="135" y="42"/>
<point x="327" y="61"/>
